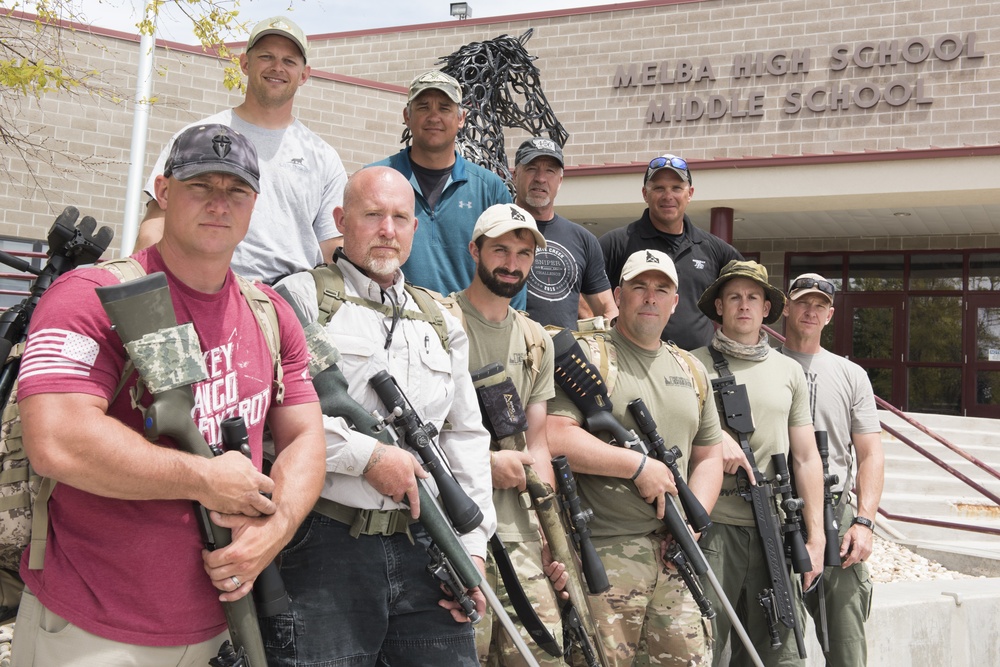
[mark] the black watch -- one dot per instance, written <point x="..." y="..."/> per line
<point x="867" y="523"/>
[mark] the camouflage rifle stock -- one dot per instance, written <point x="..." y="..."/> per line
<point x="168" y="359"/>
<point x="504" y="418"/>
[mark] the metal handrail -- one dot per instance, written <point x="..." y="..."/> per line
<point x="934" y="459"/>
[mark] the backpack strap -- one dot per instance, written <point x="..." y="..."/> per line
<point x="267" y="319"/>
<point x="698" y="380"/>
<point x="535" y="341"/>
<point x="331" y="295"/>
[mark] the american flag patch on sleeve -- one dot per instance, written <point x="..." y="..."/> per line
<point x="58" y="352"/>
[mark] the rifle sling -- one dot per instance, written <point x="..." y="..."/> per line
<point x="519" y="600"/>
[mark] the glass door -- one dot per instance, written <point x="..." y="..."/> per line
<point x="871" y="335"/>
<point x="982" y="367"/>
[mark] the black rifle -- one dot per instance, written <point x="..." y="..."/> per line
<point x="831" y="528"/>
<point x="71" y="244"/>
<point x="583" y="384"/>
<point x="693" y="509"/>
<point x="462" y="511"/>
<point x="465" y="515"/>
<point x="776" y="601"/>
<point x="136" y="309"/>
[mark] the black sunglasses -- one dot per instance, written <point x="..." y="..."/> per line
<point x="824" y="286"/>
<point x="663" y="161"/>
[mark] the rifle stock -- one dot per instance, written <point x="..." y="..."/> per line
<point x="139" y="308"/>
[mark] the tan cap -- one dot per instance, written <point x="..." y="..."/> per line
<point x="649" y="260"/>
<point x="499" y="219"/>
<point x="436" y="80"/>
<point x="279" y="25"/>
<point x="811" y="283"/>
<point x="738" y="269"/>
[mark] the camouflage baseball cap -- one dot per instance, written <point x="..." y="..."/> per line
<point x="203" y="149"/>
<point x="279" y="25"/>
<point x="436" y="80"/>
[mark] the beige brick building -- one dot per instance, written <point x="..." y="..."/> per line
<point x="858" y="136"/>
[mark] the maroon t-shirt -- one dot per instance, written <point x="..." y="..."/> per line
<point x="131" y="571"/>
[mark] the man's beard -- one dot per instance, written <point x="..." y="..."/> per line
<point x="536" y="200"/>
<point x="501" y="289"/>
<point x="381" y="266"/>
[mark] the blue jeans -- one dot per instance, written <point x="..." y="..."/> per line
<point x="363" y="601"/>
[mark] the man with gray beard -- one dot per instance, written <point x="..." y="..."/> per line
<point x="356" y="571"/>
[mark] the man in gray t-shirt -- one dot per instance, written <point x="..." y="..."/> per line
<point x="571" y="264"/>
<point x="843" y="405"/>
<point x="302" y="178"/>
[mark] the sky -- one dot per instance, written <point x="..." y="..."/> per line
<point x="317" y="16"/>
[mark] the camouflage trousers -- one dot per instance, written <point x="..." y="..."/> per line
<point x="648" y="616"/>
<point x="848" y="604"/>
<point x="494" y="646"/>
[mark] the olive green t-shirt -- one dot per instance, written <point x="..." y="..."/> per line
<point x="776" y="387"/>
<point x="505" y="342"/>
<point x="665" y="387"/>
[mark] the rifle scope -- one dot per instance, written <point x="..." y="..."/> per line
<point x="831" y="524"/>
<point x="465" y="514"/>
<point x="593" y="569"/>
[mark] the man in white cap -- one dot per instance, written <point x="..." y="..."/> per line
<point x="302" y="177"/>
<point x="843" y="405"/>
<point x="450" y="191"/>
<point x="667" y="189"/>
<point x="503" y="247"/>
<point x="627" y="490"/>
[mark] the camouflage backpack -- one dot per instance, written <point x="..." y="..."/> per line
<point x="24" y="494"/>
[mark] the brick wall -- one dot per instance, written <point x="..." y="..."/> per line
<point x="578" y="55"/>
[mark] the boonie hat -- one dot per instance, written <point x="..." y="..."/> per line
<point x="436" y="80"/>
<point x="811" y="283"/>
<point x="678" y="165"/>
<point x="499" y="219"/>
<point x="279" y="25"/>
<point x="649" y="260"/>
<point x="738" y="269"/>
<point x="538" y="147"/>
<point x="203" y="149"/>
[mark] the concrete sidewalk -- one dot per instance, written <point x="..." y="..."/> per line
<point x="940" y="623"/>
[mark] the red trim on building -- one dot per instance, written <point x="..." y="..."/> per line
<point x="751" y="161"/>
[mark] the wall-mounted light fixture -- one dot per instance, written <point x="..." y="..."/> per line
<point x="461" y="10"/>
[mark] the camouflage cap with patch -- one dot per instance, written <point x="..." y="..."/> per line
<point x="203" y="149"/>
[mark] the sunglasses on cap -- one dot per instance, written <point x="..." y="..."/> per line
<point x="665" y="161"/>
<point x="824" y="286"/>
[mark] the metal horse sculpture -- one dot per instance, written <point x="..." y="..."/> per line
<point x="494" y="75"/>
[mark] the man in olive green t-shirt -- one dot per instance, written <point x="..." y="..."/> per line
<point x="742" y="300"/>
<point x="503" y="248"/>
<point x="648" y="612"/>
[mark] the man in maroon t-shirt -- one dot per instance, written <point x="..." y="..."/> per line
<point x="125" y="573"/>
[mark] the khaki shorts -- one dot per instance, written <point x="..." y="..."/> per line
<point x="43" y="638"/>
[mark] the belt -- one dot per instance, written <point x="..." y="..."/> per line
<point x="366" y="522"/>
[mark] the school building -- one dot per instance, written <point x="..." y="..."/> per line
<point x="856" y="138"/>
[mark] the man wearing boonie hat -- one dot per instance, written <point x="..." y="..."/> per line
<point x="153" y="599"/>
<point x="503" y="248"/>
<point x="451" y="192"/>
<point x="571" y="264"/>
<point x="843" y="405"/>
<point x="667" y="189"/>
<point x="647" y="599"/>
<point x="303" y="178"/>
<point x="742" y="300"/>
